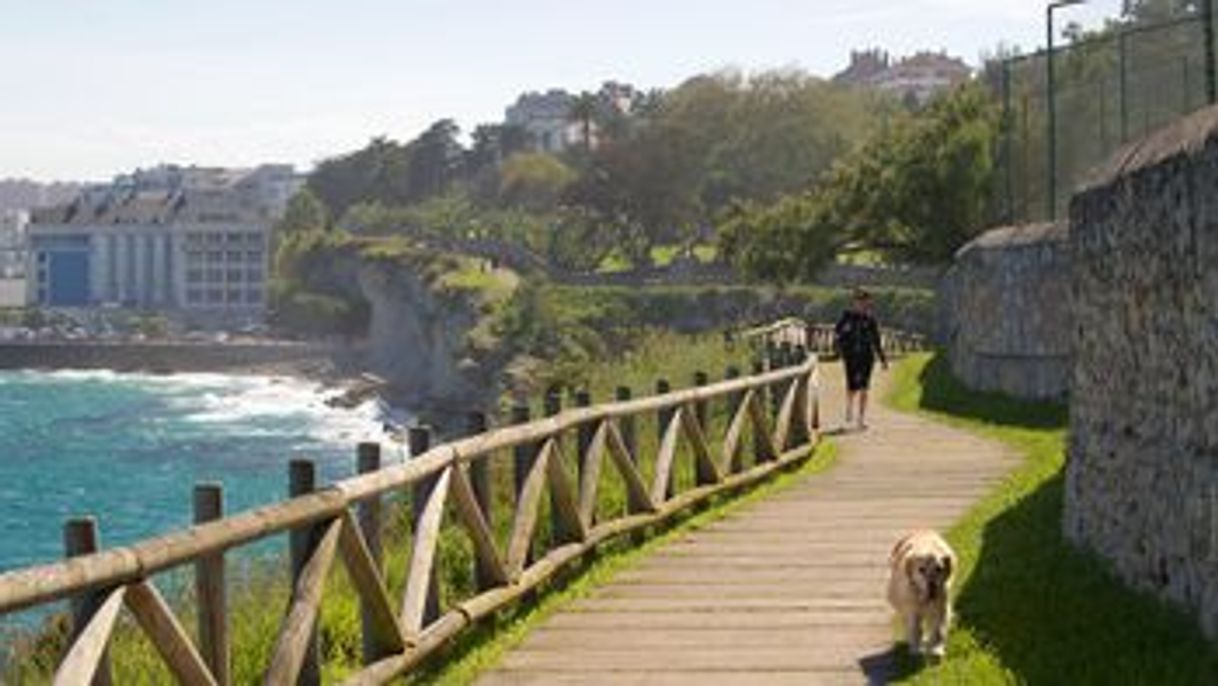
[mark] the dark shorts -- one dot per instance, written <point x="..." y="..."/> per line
<point x="858" y="372"/>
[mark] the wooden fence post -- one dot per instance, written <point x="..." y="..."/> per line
<point x="210" y="590"/>
<point x="760" y="447"/>
<point x="480" y="479"/>
<point x="80" y="537"/>
<point x="302" y="480"/>
<point x="733" y="406"/>
<point x="419" y="439"/>
<point x="702" y="407"/>
<point x="626" y="424"/>
<point x="663" y="419"/>
<point x="552" y="406"/>
<point x="522" y="462"/>
<point x="368" y="513"/>
<point x="583" y="434"/>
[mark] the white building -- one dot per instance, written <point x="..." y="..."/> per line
<point x="547" y="116"/>
<point x="12" y="243"/>
<point x="920" y="76"/>
<point x="186" y="240"/>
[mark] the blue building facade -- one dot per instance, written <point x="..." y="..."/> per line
<point x="62" y="270"/>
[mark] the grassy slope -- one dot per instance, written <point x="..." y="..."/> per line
<point x="1031" y="608"/>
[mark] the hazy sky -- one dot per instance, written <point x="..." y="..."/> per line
<point x="92" y="87"/>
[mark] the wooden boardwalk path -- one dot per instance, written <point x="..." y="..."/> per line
<point x="789" y="590"/>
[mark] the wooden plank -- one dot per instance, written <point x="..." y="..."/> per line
<point x="767" y="449"/>
<point x="637" y="496"/>
<point x="382" y="635"/>
<point x="81" y="539"/>
<point x="731" y="459"/>
<point x="302" y="480"/>
<point x="167" y="635"/>
<point x="660" y="487"/>
<point x="372" y="643"/>
<point x="590" y="476"/>
<point x="421" y="577"/>
<point x="470" y="511"/>
<point x="563" y="497"/>
<point x="527" y="510"/>
<point x="782" y="425"/>
<point x="81" y="664"/>
<point x="297" y="633"/>
<point x="480" y="481"/>
<point x="707" y="469"/>
<point x="211" y="591"/>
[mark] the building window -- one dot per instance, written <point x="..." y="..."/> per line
<point x="234" y="275"/>
<point x="194" y="275"/>
<point x="234" y="296"/>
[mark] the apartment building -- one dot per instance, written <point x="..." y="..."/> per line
<point x="186" y="240"/>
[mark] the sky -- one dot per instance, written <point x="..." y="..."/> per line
<point x="91" y="88"/>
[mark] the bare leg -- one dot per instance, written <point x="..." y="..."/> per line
<point x="863" y="409"/>
<point x="849" y="407"/>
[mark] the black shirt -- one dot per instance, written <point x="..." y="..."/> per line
<point x="858" y="336"/>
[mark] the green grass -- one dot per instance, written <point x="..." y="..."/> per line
<point x="1030" y="607"/>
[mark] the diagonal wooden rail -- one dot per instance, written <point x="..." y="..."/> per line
<point x="338" y="525"/>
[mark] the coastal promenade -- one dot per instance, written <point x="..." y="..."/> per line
<point x="787" y="590"/>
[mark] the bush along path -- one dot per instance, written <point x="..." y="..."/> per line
<point x="789" y="589"/>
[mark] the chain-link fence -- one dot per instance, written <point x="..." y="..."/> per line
<point x="1108" y="88"/>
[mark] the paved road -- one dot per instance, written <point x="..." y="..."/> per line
<point x="789" y="590"/>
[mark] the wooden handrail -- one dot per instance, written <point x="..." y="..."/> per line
<point x="402" y="637"/>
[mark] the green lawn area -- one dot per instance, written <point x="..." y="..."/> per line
<point x="661" y="256"/>
<point x="1030" y="607"/>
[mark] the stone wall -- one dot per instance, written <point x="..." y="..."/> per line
<point x="1004" y="311"/>
<point x="1142" y="475"/>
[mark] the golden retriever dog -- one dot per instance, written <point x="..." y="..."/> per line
<point x="922" y="564"/>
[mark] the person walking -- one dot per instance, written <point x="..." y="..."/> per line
<point x="857" y="335"/>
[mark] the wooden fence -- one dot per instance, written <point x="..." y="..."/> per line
<point x="770" y="422"/>
<point x="781" y="340"/>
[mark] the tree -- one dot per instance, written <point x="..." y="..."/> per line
<point x="916" y="192"/>
<point x="304" y="214"/>
<point x="533" y="181"/>
<point x="584" y="110"/>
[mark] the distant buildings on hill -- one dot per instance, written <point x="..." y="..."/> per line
<point x="918" y="77"/>
<point x="549" y="116"/>
<point x="186" y="240"/>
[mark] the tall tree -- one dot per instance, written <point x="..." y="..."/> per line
<point x="584" y="110"/>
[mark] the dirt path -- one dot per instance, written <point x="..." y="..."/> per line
<point x="789" y="590"/>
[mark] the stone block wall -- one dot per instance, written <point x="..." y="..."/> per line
<point x="1004" y="311"/>
<point x="1142" y="474"/>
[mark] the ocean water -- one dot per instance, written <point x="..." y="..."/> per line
<point x="128" y="449"/>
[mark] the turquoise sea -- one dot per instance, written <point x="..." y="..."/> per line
<point x="128" y="448"/>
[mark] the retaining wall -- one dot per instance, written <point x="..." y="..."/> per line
<point x="1142" y="475"/>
